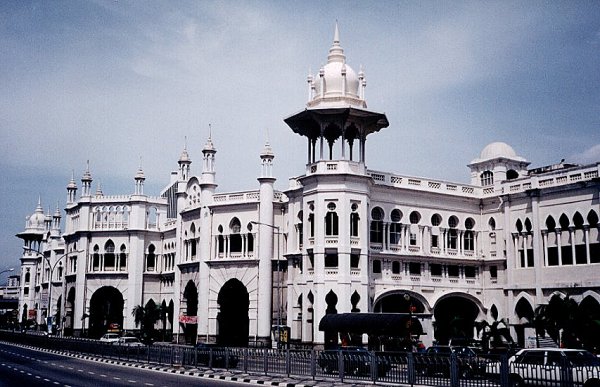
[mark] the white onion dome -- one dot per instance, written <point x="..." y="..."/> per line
<point x="185" y="157"/>
<point x="336" y="84"/>
<point x="72" y="184"/>
<point x="209" y="146"/>
<point x="37" y="219"/>
<point x="498" y="150"/>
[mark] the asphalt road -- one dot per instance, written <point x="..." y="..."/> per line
<point x="22" y="367"/>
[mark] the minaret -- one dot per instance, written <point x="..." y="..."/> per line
<point x="48" y="220"/>
<point x="207" y="181"/>
<point x="72" y="189"/>
<point x="139" y="181"/>
<point x="184" y="164"/>
<point x="266" y="230"/>
<point x="86" y="182"/>
<point x="56" y="219"/>
<point x="99" y="192"/>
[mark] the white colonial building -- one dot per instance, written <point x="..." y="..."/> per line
<point x="372" y="248"/>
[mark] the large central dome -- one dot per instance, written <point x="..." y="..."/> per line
<point x="337" y="84"/>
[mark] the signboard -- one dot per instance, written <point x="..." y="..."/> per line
<point x="188" y="319"/>
<point x="31" y="314"/>
<point x="44" y="301"/>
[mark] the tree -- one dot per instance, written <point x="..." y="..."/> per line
<point x="558" y="318"/>
<point x="496" y="334"/>
<point x="146" y="317"/>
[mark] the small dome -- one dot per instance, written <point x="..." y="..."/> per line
<point x="334" y="80"/>
<point x="497" y="150"/>
<point x="37" y="219"/>
<point x="184" y="158"/>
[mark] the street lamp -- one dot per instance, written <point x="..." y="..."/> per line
<point x="409" y="323"/>
<point x="278" y="299"/>
<point x="7" y="270"/>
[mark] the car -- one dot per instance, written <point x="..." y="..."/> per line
<point x="437" y="360"/>
<point x="110" y="338"/>
<point x="214" y="356"/>
<point x="551" y="367"/>
<point x="356" y="360"/>
<point x="130" y="341"/>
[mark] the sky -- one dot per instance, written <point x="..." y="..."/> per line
<point x="130" y="83"/>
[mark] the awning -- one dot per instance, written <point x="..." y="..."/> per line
<point x="392" y="324"/>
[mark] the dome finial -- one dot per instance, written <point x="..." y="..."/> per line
<point x="336" y="52"/>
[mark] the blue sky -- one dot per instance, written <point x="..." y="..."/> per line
<point x="119" y="81"/>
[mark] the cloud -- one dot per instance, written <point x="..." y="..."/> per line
<point x="588" y="156"/>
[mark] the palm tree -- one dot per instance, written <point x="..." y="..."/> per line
<point x="496" y="334"/>
<point x="146" y="317"/>
<point x="558" y="319"/>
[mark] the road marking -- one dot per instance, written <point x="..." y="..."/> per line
<point x="46" y="380"/>
<point x="117" y="378"/>
<point x="61" y="366"/>
<point x="102" y="375"/>
<point x="91" y="373"/>
<point x="132" y="381"/>
<point x="22" y="371"/>
<point x="55" y="383"/>
<point x="37" y="376"/>
<point x="80" y="371"/>
<point x="149" y="384"/>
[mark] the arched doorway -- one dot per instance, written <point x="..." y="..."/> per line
<point x="190" y="328"/>
<point x="68" y="324"/>
<point x="408" y="332"/>
<point x="233" y="319"/>
<point x="587" y="323"/>
<point x="106" y="308"/>
<point x="454" y="319"/>
<point x="524" y="312"/>
<point x="331" y="336"/>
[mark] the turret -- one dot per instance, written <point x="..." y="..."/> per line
<point x="72" y="189"/>
<point x="184" y="164"/>
<point x="207" y="181"/>
<point x="86" y="182"/>
<point x="139" y="181"/>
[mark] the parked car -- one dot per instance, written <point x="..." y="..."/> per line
<point x="551" y="367"/>
<point x="213" y="356"/>
<point x="437" y="360"/>
<point x="129" y="341"/>
<point x="110" y="338"/>
<point x="357" y="361"/>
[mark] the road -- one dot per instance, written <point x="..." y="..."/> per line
<point x="25" y="367"/>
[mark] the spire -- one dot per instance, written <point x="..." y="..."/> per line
<point x="139" y="180"/>
<point x="86" y="181"/>
<point x="336" y="52"/>
<point x="99" y="192"/>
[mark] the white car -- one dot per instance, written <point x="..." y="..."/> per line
<point x="130" y="341"/>
<point x="110" y="338"/>
<point x="552" y="367"/>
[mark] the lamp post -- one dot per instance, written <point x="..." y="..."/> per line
<point x="7" y="270"/>
<point x="409" y="323"/>
<point x="278" y="298"/>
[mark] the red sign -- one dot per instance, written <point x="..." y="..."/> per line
<point x="188" y="319"/>
<point x="31" y="313"/>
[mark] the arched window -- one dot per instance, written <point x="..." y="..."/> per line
<point x="151" y="259"/>
<point x="452" y="232"/>
<point x="250" y="238"/>
<point x="192" y="241"/>
<point x="564" y="222"/>
<point x="331" y="220"/>
<point x="376" y="225"/>
<point x="395" y="227"/>
<point x="487" y="178"/>
<point x="376" y="266"/>
<point x="469" y="236"/>
<point x="109" y="256"/>
<point x="96" y="258"/>
<point x="550" y="223"/>
<point x="123" y="258"/>
<point x="492" y="224"/>
<point x="220" y="241"/>
<point x="511" y="174"/>
<point x="27" y="278"/>
<point x="300" y="228"/>
<point x="354" y="218"/>
<point x="235" y="238"/>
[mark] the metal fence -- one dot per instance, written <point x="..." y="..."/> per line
<point x="404" y="368"/>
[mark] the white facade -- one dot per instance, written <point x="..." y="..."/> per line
<point x="339" y="239"/>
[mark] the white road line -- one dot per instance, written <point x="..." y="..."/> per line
<point x="91" y="373"/>
<point x="37" y="376"/>
<point x="46" y="380"/>
<point x="116" y="378"/>
<point x="102" y="375"/>
<point x="149" y="384"/>
<point x="132" y="381"/>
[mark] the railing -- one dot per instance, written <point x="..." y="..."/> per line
<point x="344" y="364"/>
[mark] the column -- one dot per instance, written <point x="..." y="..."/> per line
<point x="586" y="230"/>
<point x="559" y="245"/>
<point x="572" y="237"/>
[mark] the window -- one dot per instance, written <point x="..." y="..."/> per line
<point x="123" y="258"/>
<point x="395" y="233"/>
<point x="487" y="178"/>
<point x="354" y="218"/>
<point x="235" y="238"/>
<point x="250" y="238"/>
<point x="470" y="272"/>
<point x="331" y="260"/>
<point x="395" y="267"/>
<point x="436" y="220"/>
<point x="151" y="259"/>
<point x="377" y="225"/>
<point x="376" y="266"/>
<point x="453" y="271"/>
<point x="96" y="258"/>
<point x="493" y="272"/>
<point x="452" y="233"/>
<point x="414" y="268"/>
<point x="109" y="256"/>
<point x="299" y="228"/>
<point x="311" y="224"/>
<point x="27" y="278"/>
<point x="436" y="269"/>
<point x="354" y="261"/>
<point x="331" y="221"/>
